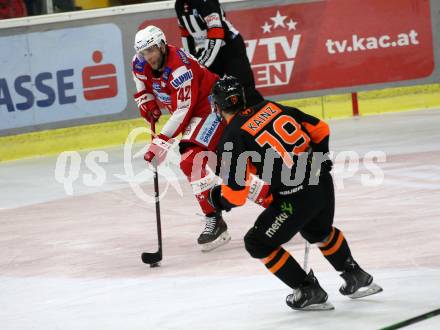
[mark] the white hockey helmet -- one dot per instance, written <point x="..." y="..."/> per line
<point x="148" y="37"/>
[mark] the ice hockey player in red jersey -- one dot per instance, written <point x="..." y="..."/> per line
<point x="288" y="149"/>
<point x="167" y="77"/>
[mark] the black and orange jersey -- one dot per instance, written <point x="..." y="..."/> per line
<point x="272" y="141"/>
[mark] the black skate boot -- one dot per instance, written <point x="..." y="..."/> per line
<point x="309" y="296"/>
<point x="215" y="233"/>
<point x="358" y="283"/>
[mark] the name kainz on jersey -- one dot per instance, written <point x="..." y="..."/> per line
<point x="260" y="119"/>
<point x="188" y="75"/>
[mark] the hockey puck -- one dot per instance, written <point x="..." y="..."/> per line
<point x="155" y="264"/>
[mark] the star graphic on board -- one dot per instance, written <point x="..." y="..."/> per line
<point x="292" y="24"/>
<point x="266" y="27"/>
<point x="278" y="20"/>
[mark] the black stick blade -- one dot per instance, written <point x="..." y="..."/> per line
<point x="151" y="258"/>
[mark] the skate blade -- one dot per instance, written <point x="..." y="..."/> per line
<point x="327" y="306"/>
<point x="373" y="288"/>
<point x="221" y="240"/>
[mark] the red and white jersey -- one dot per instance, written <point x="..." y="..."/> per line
<point x="183" y="88"/>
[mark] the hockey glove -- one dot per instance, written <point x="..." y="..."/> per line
<point x="326" y="162"/>
<point x="326" y="166"/>
<point x="158" y="149"/>
<point x="147" y="107"/>
<point x="259" y="191"/>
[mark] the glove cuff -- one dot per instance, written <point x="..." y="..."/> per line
<point x="142" y="97"/>
<point x="162" y="142"/>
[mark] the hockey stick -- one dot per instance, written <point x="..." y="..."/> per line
<point x="306" y="256"/>
<point x="413" y="320"/>
<point x="153" y="259"/>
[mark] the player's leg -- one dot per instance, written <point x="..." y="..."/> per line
<point x="194" y="165"/>
<point x="275" y="226"/>
<point x="237" y="65"/>
<point x="335" y="248"/>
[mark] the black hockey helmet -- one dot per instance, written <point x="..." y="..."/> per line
<point x="228" y="94"/>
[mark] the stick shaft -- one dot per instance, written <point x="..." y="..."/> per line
<point x="156" y="195"/>
<point x="306" y="256"/>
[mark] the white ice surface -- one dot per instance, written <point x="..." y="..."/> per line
<point x="228" y="302"/>
<point x="72" y="262"/>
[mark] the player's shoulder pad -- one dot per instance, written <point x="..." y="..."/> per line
<point x="180" y="76"/>
<point x="183" y="56"/>
<point x="138" y="64"/>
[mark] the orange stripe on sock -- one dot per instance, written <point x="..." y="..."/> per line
<point x="280" y="262"/>
<point x="329" y="240"/>
<point x="271" y="256"/>
<point x="336" y="246"/>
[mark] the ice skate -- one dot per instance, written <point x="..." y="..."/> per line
<point x="309" y="296"/>
<point x="358" y="283"/>
<point x="215" y="233"/>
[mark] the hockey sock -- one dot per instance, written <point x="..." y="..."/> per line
<point x="285" y="267"/>
<point x="194" y="164"/>
<point x="201" y="190"/>
<point x="335" y="249"/>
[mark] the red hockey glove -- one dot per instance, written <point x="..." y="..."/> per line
<point x="147" y="107"/>
<point x="259" y="191"/>
<point x="158" y="149"/>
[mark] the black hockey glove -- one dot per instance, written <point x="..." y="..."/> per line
<point x="326" y="164"/>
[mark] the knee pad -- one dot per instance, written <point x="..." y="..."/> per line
<point x="256" y="246"/>
<point x="330" y="238"/>
<point x="316" y="237"/>
<point x="187" y="162"/>
<point x="197" y="170"/>
<point x="205" y="184"/>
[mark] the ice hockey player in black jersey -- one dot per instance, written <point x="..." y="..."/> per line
<point x="213" y="40"/>
<point x="288" y="149"/>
